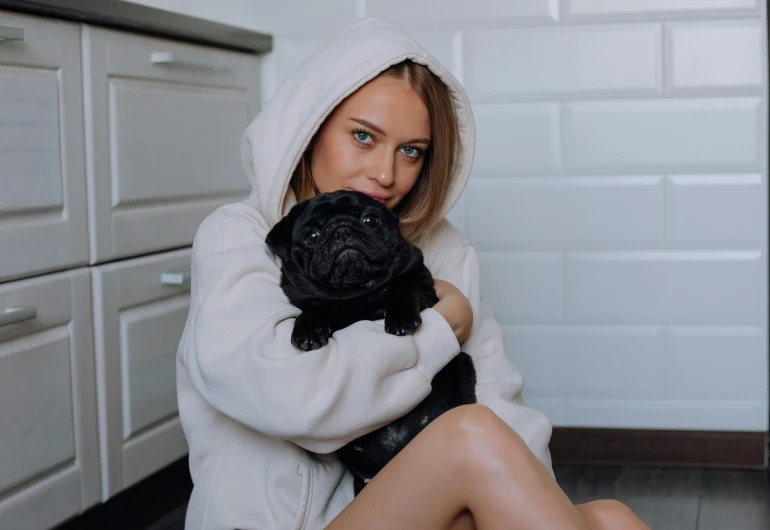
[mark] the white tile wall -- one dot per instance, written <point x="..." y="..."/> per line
<point x="715" y="209"/>
<point x="662" y="7"/>
<point x="672" y="287"/>
<point x="412" y="14"/>
<point x="666" y="134"/>
<point x="514" y="137"/>
<point x="576" y="60"/>
<point x="619" y="197"/>
<point x="533" y="290"/>
<point x="565" y="211"/>
<point x="715" y="54"/>
<point x="557" y="358"/>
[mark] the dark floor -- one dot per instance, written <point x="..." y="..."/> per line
<point x="666" y="499"/>
<point x="677" y="499"/>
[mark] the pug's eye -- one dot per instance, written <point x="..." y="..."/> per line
<point x="370" y="220"/>
<point x="312" y="237"/>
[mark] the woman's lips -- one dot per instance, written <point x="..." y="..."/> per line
<point x="383" y="200"/>
<point x="379" y="198"/>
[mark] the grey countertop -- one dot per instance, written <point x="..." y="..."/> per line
<point x="147" y="20"/>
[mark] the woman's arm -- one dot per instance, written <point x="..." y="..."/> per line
<point x="238" y="353"/>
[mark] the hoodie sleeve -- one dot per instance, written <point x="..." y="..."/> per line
<point x="499" y="382"/>
<point x="239" y="357"/>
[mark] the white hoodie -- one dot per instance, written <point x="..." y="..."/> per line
<point x="262" y="418"/>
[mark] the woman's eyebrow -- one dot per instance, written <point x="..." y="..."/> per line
<point x="379" y="131"/>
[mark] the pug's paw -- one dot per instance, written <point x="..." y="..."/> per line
<point x="402" y="317"/>
<point x="310" y="332"/>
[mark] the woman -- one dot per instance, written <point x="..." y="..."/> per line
<point x="373" y="112"/>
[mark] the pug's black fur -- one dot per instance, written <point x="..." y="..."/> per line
<point x="344" y="260"/>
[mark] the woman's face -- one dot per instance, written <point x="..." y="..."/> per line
<point x="373" y="142"/>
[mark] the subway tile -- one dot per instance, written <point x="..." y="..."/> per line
<point x="545" y="62"/>
<point x="564" y="210"/>
<point x="716" y="208"/>
<point x="287" y="17"/>
<point x="675" y="287"/>
<point x="651" y="414"/>
<point x="522" y="287"/>
<point x="602" y="362"/>
<point x="656" y="134"/>
<point x="639" y="7"/>
<point x="461" y="13"/>
<point x="723" y="363"/>
<point x="517" y="138"/>
<point x="715" y="55"/>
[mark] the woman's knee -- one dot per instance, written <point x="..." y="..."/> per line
<point x="478" y="434"/>
<point x="610" y="514"/>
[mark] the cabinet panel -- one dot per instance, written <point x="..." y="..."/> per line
<point x="42" y="165"/>
<point x="138" y="321"/>
<point x="165" y="121"/>
<point x="49" y="454"/>
<point x="148" y="333"/>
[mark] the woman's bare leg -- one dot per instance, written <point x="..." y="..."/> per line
<point x="468" y="460"/>
<point x="609" y="515"/>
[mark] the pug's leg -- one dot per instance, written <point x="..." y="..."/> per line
<point x="402" y="312"/>
<point x="311" y="331"/>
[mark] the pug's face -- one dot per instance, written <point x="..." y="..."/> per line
<point x="338" y="241"/>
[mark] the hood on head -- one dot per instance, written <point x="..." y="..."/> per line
<point x="275" y="141"/>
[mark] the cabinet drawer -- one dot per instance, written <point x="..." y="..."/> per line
<point x="164" y="121"/>
<point x="138" y="321"/>
<point x="49" y="464"/>
<point x="42" y="165"/>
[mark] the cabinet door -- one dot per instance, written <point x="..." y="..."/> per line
<point x="164" y="124"/>
<point x="42" y="165"/>
<point x="49" y="454"/>
<point x="140" y="311"/>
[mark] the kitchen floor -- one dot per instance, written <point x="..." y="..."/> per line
<point x="666" y="499"/>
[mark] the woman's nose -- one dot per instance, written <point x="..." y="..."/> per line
<point x="383" y="170"/>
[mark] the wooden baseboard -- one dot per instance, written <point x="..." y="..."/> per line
<point x="698" y="449"/>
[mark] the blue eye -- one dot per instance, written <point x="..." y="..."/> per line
<point x="411" y="152"/>
<point x="363" y="137"/>
<point x="312" y="237"/>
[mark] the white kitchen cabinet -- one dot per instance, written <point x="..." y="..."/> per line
<point x="164" y="123"/>
<point x="114" y="146"/>
<point x="140" y="308"/>
<point x="49" y="463"/>
<point x="42" y="166"/>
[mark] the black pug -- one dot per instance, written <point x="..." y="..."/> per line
<point x="344" y="260"/>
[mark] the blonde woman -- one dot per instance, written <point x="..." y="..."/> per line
<point x="370" y="111"/>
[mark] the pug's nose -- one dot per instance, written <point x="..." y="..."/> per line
<point x="342" y="232"/>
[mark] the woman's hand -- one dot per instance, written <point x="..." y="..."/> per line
<point x="455" y="308"/>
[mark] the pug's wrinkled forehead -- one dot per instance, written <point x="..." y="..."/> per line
<point x="343" y="203"/>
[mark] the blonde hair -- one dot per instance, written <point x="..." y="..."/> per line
<point x="423" y="205"/>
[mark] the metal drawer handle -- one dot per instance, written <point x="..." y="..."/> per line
<point x="15" y="315"/>
<point x="176" y="59"/>
<point x="178" y="279"/>
<point x="8" y="33"/>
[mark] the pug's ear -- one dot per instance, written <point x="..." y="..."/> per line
<point x="279" y="237"/>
